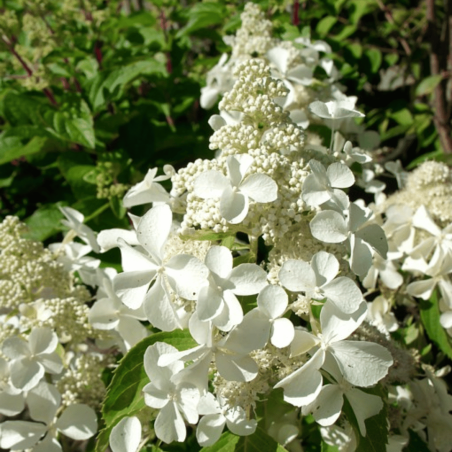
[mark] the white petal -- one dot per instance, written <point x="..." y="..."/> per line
<point x="325" y="266"/>
<point x="169" y="425"/>
<point x="108" y="238"/>
<point x="248" y="279"/>
<point x="131" y="287"/>
<point x="14" y="348"/>
<point x="104" y="314"/>
<point x="210" y="184"/>
<point x="326" y="409"/>
<point x="51" y="362"/>
<point x="208" y="404"/>
<point x="11" y="404"/>
<point x="160" y="375"/>
<point x="78" y="422"/>
<point x="329" y="226"/>
<point x="210" y="302"/>
<point x="216" y="122"/>
<point x="42" y="340"/>
<point x="131" y="331"/>
<point x="43" y="402"/>
<point x="19" y="435"/>
<point x="302" y="386"/>
<point x="446" y="319"/>
<point x="187" y="400"/>
<point x="154" y="228"/>
<point x="340" y="175"/>
<point x="252" y="333"/>
<point x="126" y="435"/>
<point x="297" y="276"/>
<point x="279" y="57"/>
<point x="303" y="341"/>
<point x="301" y="74"/>
<point x="155" y="397"/>
<point x="233" y="206"/>
<point x="344" y="293"/>
<point x="238" y="423"/>
<point x="209" y="96"/>
<point x="273" y="300"/>
<point x="375" y="237"/>
<point x="48" y="444"/>
<point x="336" y="325"/>
<point x="422" y="289"/>
<point x="364" y="406"/>
<point x="132" y="260"/>
<point x="232" y="313"/>
<point x="320" y="109"/>
<point x="186" y="274"/>
<point x="26" y="373"/>
<point x="361" y="256"/>
<point x="314" y="193"/>
<point x="219" y="260"/>
<point x="159" y="309"/>
<point x="260" y="188"/>
<point x="238" y="165"/>
<point x="362" y="363"/>
<point x="282" y="333"/>
<point x="234" y="368"/>
<point x="209" y="429"/>
<point x="423" y="220"/>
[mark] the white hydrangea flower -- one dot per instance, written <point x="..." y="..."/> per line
<point x="379" y="314"/>
<point x="217" y="301"/>
<point x="74" y="221"/>
<point x="320" y="185"/>
<point x="331" y="227"/>
<point x="148" y="190"/>
<point x="235" y="190"/>
<point x="231" y="354"/>
<point x="361" y="363"/>
<point x="265" y="322"/>
<point x="78" y="422"/>
<point x="327" y="407"/>
<point x="173" y="397"/>
<point x="31" y="359"/>
<point x="318" y="281"/>
<point x="216" y="415"/>
<point x="184" y="273"/>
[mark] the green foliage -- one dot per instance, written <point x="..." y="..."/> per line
<point x="258" y="441"/>
<point x="124" y="396"/>
<point x="430" y="319"/>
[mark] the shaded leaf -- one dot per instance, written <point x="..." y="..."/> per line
<point x="427" y="85"/>
<point x="430" y="319"/>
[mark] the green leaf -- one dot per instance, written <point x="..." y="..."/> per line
<point x="416" y="444"/>
<point x="117" y="207"/>
<point x="73" y="122"/>
<point x="430" y="318"/>
<point x="124" y="396"/>
<point x="44" y="222"/>
<point x="376" y="437"/>
<point x="257" y="442"/>
<point x="203" y="15"/>
<point x="427" y="85"/>
<point x="327" y="448"/>
<point x="325" y="25"/>
<point x="402" y="117"/>
<point x="375" y="58"/>
<point x="12" y="148"/>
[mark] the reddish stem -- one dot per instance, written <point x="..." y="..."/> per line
<point x="295" y="13"/>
